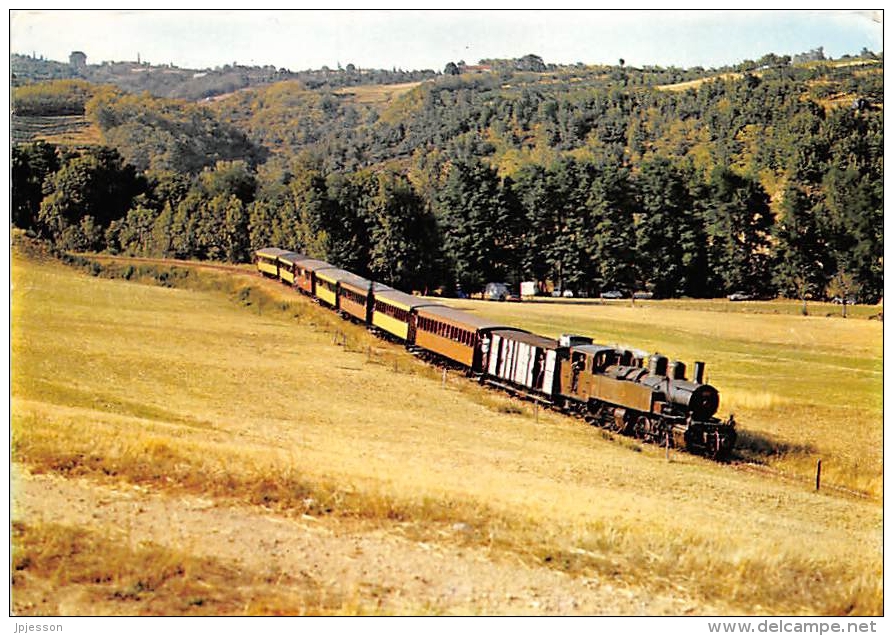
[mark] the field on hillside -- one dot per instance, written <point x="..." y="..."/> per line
<point x="62" y="129"/>
<point x="375" y="94"/>
<point x="218" y="444"/>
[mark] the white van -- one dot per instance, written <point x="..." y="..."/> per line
<point x="496" y="291"/>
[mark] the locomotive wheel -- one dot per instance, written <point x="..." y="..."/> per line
<point x="621" y="426"/>
<point x="642" y="428"/>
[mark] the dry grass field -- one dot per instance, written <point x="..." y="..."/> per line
<point x="802" y="388"/>
<point x="224" y="446"/>
<point x="377" y="95"/>
<point x="73" y="130"/>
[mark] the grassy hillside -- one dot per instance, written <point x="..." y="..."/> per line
<point x="802" y="388"/>
<point x="237" y="390"/>
<point x="68" y="130"/>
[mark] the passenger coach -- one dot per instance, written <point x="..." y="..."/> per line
<point x="455" y="334"/>
<point x="288" y="266"/>
<point x="393" y="312"/>
<point x="267" y="260"/>
<point x="305" y="274"/>
<point x="356" y="296"/>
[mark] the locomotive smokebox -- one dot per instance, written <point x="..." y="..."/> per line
<point x="701" y="399"/>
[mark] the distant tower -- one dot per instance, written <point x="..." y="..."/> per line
<point x="78" y="60"/>
<point x="137" y="57"/>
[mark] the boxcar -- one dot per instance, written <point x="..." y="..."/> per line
<point x="287" y="265"/>
<point x="305" y="274"/>
<point x="454" y="334"/>
<point x="267" y="260"/>
<point x="523" y="360"/>
<point x="392" y="312"/>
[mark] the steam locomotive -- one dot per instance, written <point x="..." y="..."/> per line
<point x="611" y="387"/>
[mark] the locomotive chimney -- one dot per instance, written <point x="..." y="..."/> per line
<point x="699" y="372"/>
<point x="677" y="370"/>
<point x="657" y="365"/>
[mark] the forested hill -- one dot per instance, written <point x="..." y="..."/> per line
<point x="765" y="178"/>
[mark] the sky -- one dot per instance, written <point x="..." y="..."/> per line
<point x="424" y="39"/>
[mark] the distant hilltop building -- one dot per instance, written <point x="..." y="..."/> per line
<point x="78" y="60"/>
<point x="815" y="55"/>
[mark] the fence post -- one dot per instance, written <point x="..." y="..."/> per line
<point x="818" y="475"/>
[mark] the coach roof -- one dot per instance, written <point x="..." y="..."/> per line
<point x="531" y="339"/>
<point x="271" y="252"/>
<point x="461" y="318"/>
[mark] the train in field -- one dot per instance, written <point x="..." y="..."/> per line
<point x="648" y="397"/>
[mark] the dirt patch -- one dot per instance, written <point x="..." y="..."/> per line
<point x="369" y="569"/>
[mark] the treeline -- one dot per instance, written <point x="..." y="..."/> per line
<point x="169" y="81"/>
<point x="588" y="178"/>
<point x="587" y="226"/>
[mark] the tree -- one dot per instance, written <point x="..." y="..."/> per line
<point x="236" y="240"/>
<point x="31" y="165"/>
<point x="801" y="256"/>
<point x="610" y="202"/>
<point x="229" y="178"/>
<point x="470" y="218"/>
<point x="840" y="288"/>
<point x="571" y="253"/>
<point x="451" y="69"/>
<point x="310" y="203"/>
<point x="135" y="231"/>
<point x="405" y="245"/>
<point x="348" y="218"/>
<point x="96" y="184"/>
<point x="669" y="238"/>
<point x="538" y="224"/>
<point x="738" y="223"/>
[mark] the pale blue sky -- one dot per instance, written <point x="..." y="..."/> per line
<point x="429" y="39"/>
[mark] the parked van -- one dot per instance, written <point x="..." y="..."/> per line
<point x="496" y="291"/>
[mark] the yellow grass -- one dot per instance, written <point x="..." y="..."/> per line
<point x="683" y="86"/>
<point x="106" y="574"/>
<point x="70" y="130"/>
<point x="375" y="94"/>
<point x="284" y="405"/>
<point x="808" y="387"/>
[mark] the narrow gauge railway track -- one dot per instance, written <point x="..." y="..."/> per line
<point x="607" y="386"/>
<point x="612" y="386"/>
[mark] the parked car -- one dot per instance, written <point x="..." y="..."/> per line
<point x="740" y="295"/>
<point x="567" y="293"/>
<point x="640" y="295"/>
<point x="612" y="294"/>
<point x="838" y="300"/>
<point x="496" y="291"/>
